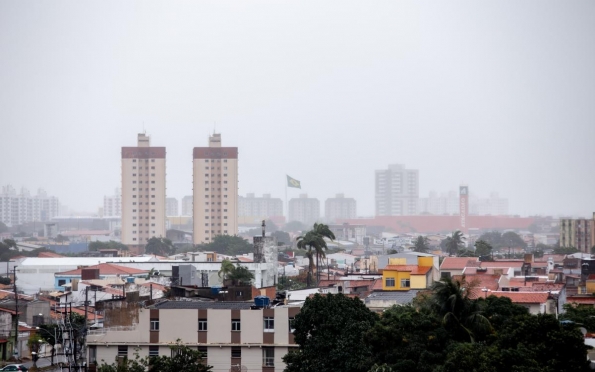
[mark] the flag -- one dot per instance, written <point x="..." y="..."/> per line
<point x="292" y="182"/>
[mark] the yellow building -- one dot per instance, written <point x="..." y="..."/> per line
<point x="397" y="276"/>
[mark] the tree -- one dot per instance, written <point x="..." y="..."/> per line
<point x="282" y="237"/>
<point x="459" y="314"/>
<point x="160" y="246"/>
<point x="294" y="226"/>
<point x="312" y="243"/>
<point x="565" y="250"/>
<point x="322" y="231"/>
<point x="228" y="245"/>
<point x="329" y="331"/>
<point x="581" y="315"/>
<point x="61" y="238"/>
<point x="483" y="248"/>
<point x="227" y="268"/>
<point x="455" y="242"/>
<point x="407" y="339"/>
<point x="97" y="245"/>
<point x="10" y="243"/>
<point x="421" y="244"/>
<point x="241" y="275"/>
<point x="3" y="227"/>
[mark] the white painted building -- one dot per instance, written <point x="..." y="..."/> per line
<point x="16" y="209"/>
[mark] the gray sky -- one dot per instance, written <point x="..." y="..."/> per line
<point x="499" y="95"/>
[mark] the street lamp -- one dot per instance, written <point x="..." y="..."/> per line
<point x="55" y="341"/>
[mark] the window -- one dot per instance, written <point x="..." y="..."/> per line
<point x="269" y="324"/>
<point x="92" y="353"/>
<point x="291" y="321"/>
<point x="154" y="324"/>
<point x="61" y="282"/>
<point x="153" y="351"/>
<point x="236" y="325"/>
<point x="203" y="351"/>
<point x="202" y="324"/>
<point x="390" y="282"/>
<point x="268" y="357"/>
<point x="122" y="350"/>
<point x="236" y="352"/>
<point x="405" y="283"/>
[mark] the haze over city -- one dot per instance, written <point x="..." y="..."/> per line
<point x="497" y="96"/>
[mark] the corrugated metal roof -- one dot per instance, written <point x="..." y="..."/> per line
<point x="203" y="305"/>
<point x="398" y="297"/>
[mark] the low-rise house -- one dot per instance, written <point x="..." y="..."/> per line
<point x="101" y="271"/>
<point x="535" y="302"/>
<point x="398" y="276"/>
<point x="379" y="301"/>
<point x="227" y="333"/>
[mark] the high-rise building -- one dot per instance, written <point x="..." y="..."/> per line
<point x="112" y="205"/>
<point x="16" y="209"/>
<point x="171" y="206"/>
<point x="339" y="207"/>
<point x="187" y="205"/>
<point x="494" y="205"/>
<point x="304" y="209"/>
<point x="445" y="204"/>
<point x="252" y="209"/>
<point x="397" y="191"/>
<point x="215" y="191"/>
<point x="578" y="233"/>
<point x="143" y="193"/>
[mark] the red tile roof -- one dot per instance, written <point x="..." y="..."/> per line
<point x="502" y="264"/>
<point x="586" y="300"/>
<point x="49" y="255"/>
<point x="414" y="269"/>
<point x="524" y="297"/>
<point x="107" y="269"/>
<point x="456" y="263"/>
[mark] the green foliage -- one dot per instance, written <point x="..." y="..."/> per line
<point x="282" y="237"/>
<point x="3" y="227"/>
<point x="226" y="268"/>
<point x="421" y="244"/>
<point x="240" y="275"/>
<point x="95" y="246"/>
<point x="315" y="245"/>
<point x="498" y="240"/>
<point x="582" y="315"/>
<point x="483" y="248"/>
<point x="565" y="250"/>
<point x="329" y="331"/>
<point x="294" y="226"/>
<point x="160" y="246"/>
<point x="5" y="280"/>
<point x="61" y="238"/>
<point x="228" y="245"/>
<point x="454" y="243"/>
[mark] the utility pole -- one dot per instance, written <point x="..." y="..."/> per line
<point x="16" y="310"/>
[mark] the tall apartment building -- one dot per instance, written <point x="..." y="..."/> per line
<point x="578" y="233"/>
<point x="112" y="205"/>
<point x="143" y="193"/>
<point x="215" y="191"/>
<point x="304" y="209"/>
<point x="252" y="208"/>
<point x="16" y="209"/>
<point x="339" y="207"/>
<point x="445" y="204"/>
<point x="187" y="205"/>
<point x="397" y="191"/>
<point x="171" y="207"/>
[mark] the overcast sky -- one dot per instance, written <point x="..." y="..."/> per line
<point x="499" y="95"/>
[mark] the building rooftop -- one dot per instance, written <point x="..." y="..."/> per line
<point x="107" y="269"/>
<point x="456" y="263"/>
<point x="399" y="297"/>
<point x="523" y="297"/>
<point x="413" y="269"/>
<point x="233" y="305"/>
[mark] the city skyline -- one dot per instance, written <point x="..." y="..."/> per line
<point x="437" y="90"/>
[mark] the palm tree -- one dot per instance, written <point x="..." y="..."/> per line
<point x="459" y="314"/>
<point x="227" y="268"/>
<point x="455" y="242"/>
<point x="323" y="231"/>
<point x="312" y="243"/>
<point x="240" y="274"/>
<point x="421" y="244"/>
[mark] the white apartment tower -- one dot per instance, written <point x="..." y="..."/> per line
<point x="260" y="208"/>
<point x="16" y="209"/>
<point x="304" y="209"/>
<point x="171" y="207"/>
<point x="187" y="205"/>
<point x="112" y="205"/>
<point x="143" y="193"/>
<point x="339" y="207"/>
<point x="397" y="191"/>
<point x="215" y="191"/>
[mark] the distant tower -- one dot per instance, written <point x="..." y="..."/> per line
<point x="143" y="194"/>
<point x="464" y="208"/>
<point x="215" y="194"/>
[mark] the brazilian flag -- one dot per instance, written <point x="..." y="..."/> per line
<point x="292" y="182"/>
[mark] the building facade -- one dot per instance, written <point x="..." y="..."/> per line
<point x="304" y="209"/>
<point x="171" y="207"/>
<point x="494" y="205"/>
<point x="112" y="205"/>
<point x="143" y="193"/>
<point x="187" y="205"/>
<point x="445" y="204"/>
<point x="229" y="334"/>
<point x="578" y="233"/>
<point x="215" y="191"/>
<point x="18" y="208"/>
<point x="339" y="207"/>
<point x="252" y="209"/>
<point x="397" y="191"/>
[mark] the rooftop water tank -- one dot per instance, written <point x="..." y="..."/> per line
<point x="130" y="279"/>
<point x="262" y="301"/>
